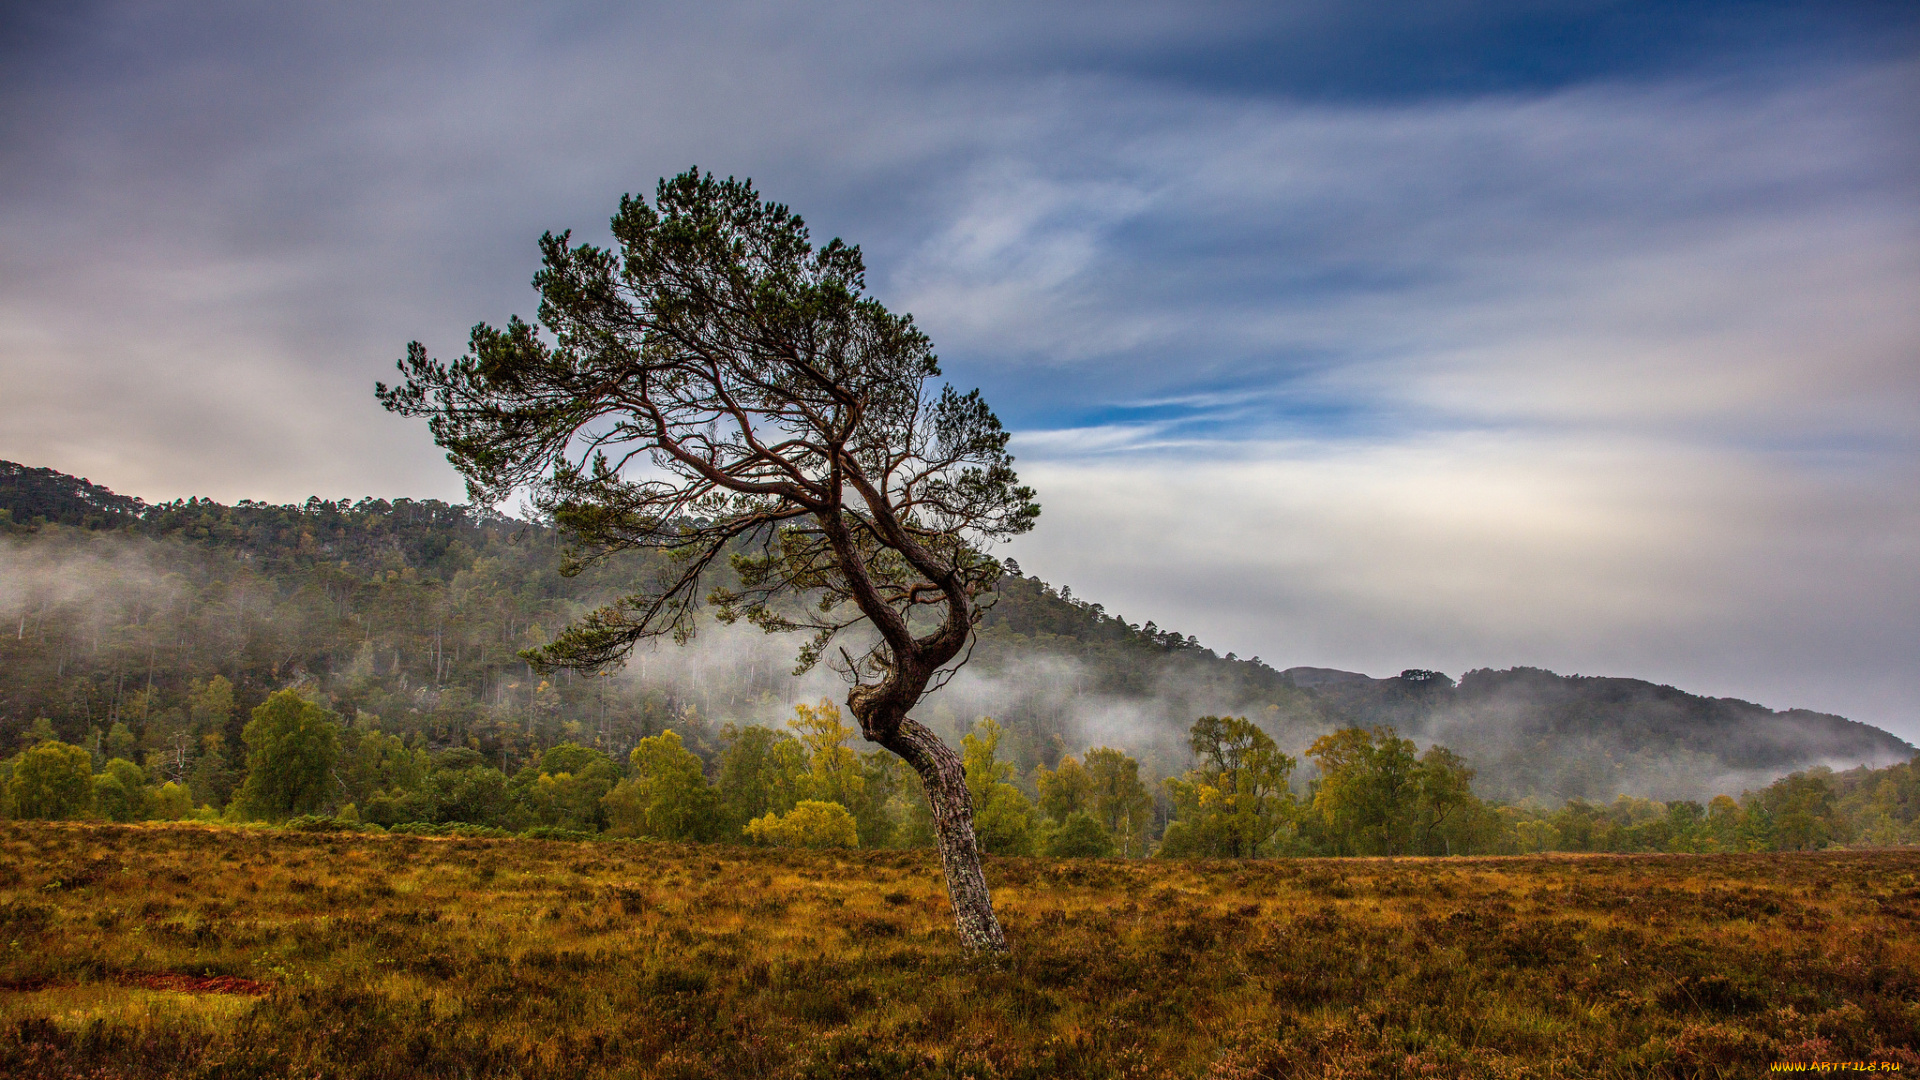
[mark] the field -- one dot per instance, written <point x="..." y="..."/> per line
<point x="173" y="950"/>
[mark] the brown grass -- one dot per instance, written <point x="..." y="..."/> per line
<point x="172" y="950"/>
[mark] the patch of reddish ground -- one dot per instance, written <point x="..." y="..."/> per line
<point x="183" y="984"/>
<point x="197" y="984"/>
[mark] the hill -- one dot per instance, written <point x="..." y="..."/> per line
<point x="412" y="612"/>
<point x="1605" y="735"/>
<point x="1052" y="663"/>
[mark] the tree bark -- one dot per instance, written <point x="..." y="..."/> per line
<point x="946" y="783"/>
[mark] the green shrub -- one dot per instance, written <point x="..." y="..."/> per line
<point x="457" y="828"/>
<point x="556" y="832"/>
<point x="322" y="823"/>
<point x="1079" y="837"/>
<point x="812" y="824"/>
<point x="171" y="801"/>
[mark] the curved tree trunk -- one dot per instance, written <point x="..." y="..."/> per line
<point x="946" y="783"/>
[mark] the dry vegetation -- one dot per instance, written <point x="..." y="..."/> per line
<point x="172" y="950"/>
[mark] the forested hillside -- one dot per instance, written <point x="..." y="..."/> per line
<point x="408" y="615"/>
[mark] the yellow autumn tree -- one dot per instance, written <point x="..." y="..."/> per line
<point x="833" y="767"/>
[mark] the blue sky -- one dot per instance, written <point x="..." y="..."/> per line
<point x="1580" y="335"/>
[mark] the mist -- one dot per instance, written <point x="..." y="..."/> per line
<point x="413" y="618"/>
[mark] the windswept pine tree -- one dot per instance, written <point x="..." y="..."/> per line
<point x="716" y="382"/>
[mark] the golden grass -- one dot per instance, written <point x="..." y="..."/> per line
<point x="392" y="956"/>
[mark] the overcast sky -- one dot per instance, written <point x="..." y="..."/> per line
<point x="1581" y="335"/>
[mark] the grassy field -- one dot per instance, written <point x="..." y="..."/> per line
<point x="171" y="950"/>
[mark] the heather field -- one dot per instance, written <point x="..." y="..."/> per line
<point x="178" y="950"/>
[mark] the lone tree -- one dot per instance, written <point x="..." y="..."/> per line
<point x="718" y="388"/>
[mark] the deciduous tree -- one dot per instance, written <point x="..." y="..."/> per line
<point x="172" y="801"/>
<point x="1002" y="812"/>
<point x="1064" y="789"/>
<point x="1118" y="799"/>
<point x="120" y="791"/>
<point x="758" y="774"/>
<point x="1802" y="812"/>
<point x="53" y="780"/>
<point x="833" y="769"/>
<point x="667" y="797"/>
<point x="566" y="787"/>
<point x="1367" y="790"/>
<point x="1448" y="817"/>
<point x="291" y="745"/>
<point x="1237" y="800"/>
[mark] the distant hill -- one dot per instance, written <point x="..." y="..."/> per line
<point x="1534" y="732"/>
<point x="414" y="610"/>
<point x="1528" y="732"/>
<point x="29" y="496"/>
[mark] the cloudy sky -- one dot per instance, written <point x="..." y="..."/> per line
<point x="1583" y="335"/>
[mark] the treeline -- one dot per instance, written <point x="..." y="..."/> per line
<point x="1370" y="793"/>
<point x="1803" y="811"/>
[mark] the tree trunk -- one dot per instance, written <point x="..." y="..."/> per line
<point x="946" y="783"/>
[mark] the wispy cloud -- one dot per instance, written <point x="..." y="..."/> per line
<point x="1670" y="251"/>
